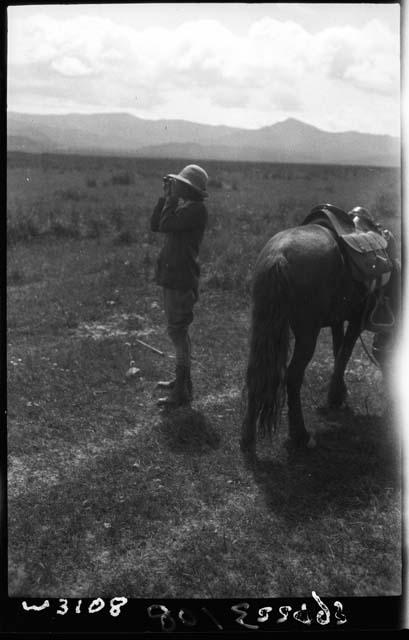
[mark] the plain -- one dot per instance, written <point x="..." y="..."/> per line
<point x="107" y="495"/>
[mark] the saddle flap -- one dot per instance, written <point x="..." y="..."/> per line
<point x="364" y="242"/>
<point x="367" y="255"/>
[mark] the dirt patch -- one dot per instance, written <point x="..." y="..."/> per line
<point x="119" y="325"/>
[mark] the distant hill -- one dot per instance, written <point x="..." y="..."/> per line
<point x="288" y="141"/>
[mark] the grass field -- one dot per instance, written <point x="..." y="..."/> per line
<point x="109" y="496"/>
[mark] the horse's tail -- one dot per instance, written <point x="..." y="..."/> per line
<point x="269" y="345"/>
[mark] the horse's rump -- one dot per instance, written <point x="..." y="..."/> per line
<point x="312" y="265"/>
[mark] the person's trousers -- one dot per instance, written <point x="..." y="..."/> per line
<point x="178" y="306"/>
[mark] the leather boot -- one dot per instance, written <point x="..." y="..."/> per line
<point x="179" y="394"/>
<point x="170" y="384"/>
<point x="166" y="384"/>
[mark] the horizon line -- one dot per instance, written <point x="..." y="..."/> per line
<point x="206" y="124"/>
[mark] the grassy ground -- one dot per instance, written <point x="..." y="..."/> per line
<point x="107" y="494"/>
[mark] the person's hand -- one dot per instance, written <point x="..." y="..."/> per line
<point x="167" y="186"/>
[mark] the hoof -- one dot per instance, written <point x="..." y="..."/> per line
<point x="249" y="456"/>
<point x="324" y="410"/>
<point x="248" y="446"/>
<point x="336" y="403"/>
<point x="312" y="443"/>
<point x="334" y="413"/>
<point x="337" y="399"/>
<point x="331" y="414"/>
<point x="300" y="445"/>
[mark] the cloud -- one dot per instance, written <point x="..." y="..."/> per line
<point x="282" y="99"/>
<point x="105" y="63"/>
<point x="70" y="66"/>
<point x="368" y="58"/>
<point x="227" y="97"/>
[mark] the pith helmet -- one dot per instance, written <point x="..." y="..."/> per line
<point x="194" y="176"/>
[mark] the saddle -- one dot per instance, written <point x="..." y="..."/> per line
<point x="366" y="252"/>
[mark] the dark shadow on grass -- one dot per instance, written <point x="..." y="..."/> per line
<point x="110" y="505"/>
<point x="186" y="430"/>
<point x="354" y="462"/>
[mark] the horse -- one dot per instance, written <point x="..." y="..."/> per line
<point x="302" y="282"/>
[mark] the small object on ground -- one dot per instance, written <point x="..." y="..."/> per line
<point x="148" y="346"/>
<point x="133" y="370"/>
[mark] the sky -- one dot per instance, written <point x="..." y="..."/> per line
<point x="335" y="66"/>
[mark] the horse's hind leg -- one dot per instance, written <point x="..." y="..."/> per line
<point x="337" y="337"/>
<point x="337" y="390"/>
<point x="337" y="342"/>
<point x="248" y="430"/>
<point x="303" y="351"/>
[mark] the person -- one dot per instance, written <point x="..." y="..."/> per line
<point x="181" y="216"/>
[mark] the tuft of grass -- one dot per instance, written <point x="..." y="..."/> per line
<point x="62" y="230"/>
<point x="117" y="219"/>
<point x="95" y="228"/>
<point x="22" y="230"/>
<point x="15" y="277"/>
<point x="215" y="183"/>
<point x="386" y="205"/>
<point x="123" y="178"/>
<point x="123" y="237"/>
<point x="70" y="194"/>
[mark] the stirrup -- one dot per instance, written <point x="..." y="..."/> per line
<point x="382" y="303"/>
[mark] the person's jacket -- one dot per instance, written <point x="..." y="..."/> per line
<point x="183" y="226"/>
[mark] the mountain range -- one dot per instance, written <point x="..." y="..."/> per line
<point x="123" y="134"/>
